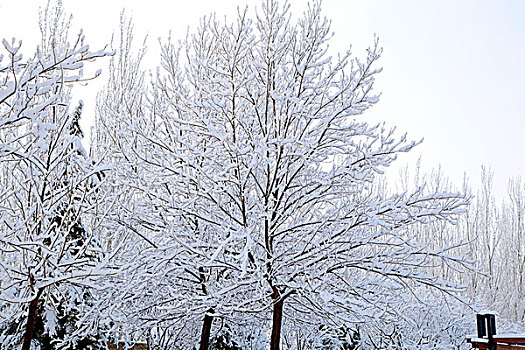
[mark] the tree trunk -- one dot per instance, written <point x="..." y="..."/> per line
<point x="31" y="318"/>
<point x="206" y="330"/>
<point x="275" y="340"/>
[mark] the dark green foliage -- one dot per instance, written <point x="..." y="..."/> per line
<point x="74" y="127"/>
<point x="343" y="338"/>
<point x="65" y="323"/>
<point x="224" y="341"/>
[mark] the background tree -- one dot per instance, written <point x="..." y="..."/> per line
<point x="490" y="231"/>
<point x="497" y="243"/>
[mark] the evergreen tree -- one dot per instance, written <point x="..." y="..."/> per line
<point x="56" y="320"/>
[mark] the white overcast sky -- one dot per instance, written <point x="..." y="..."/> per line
<point x="453" y="69"/>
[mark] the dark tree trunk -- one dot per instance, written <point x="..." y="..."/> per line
<point x="31" y="318"/>
<point x="206" y="330"/>
<point x="275" y="339"/>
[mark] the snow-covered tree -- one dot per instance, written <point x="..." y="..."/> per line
<point x="253" y="175"/>
<point x="493" y="234"/>
<point x="50" y="187"/>
<point x="514" y="249"/>
<point x="498" y="245"/>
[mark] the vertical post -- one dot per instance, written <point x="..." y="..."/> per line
<point x="491" y="331"/>
<point x="487" y="327"/>
<point x="480" y="320"/>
